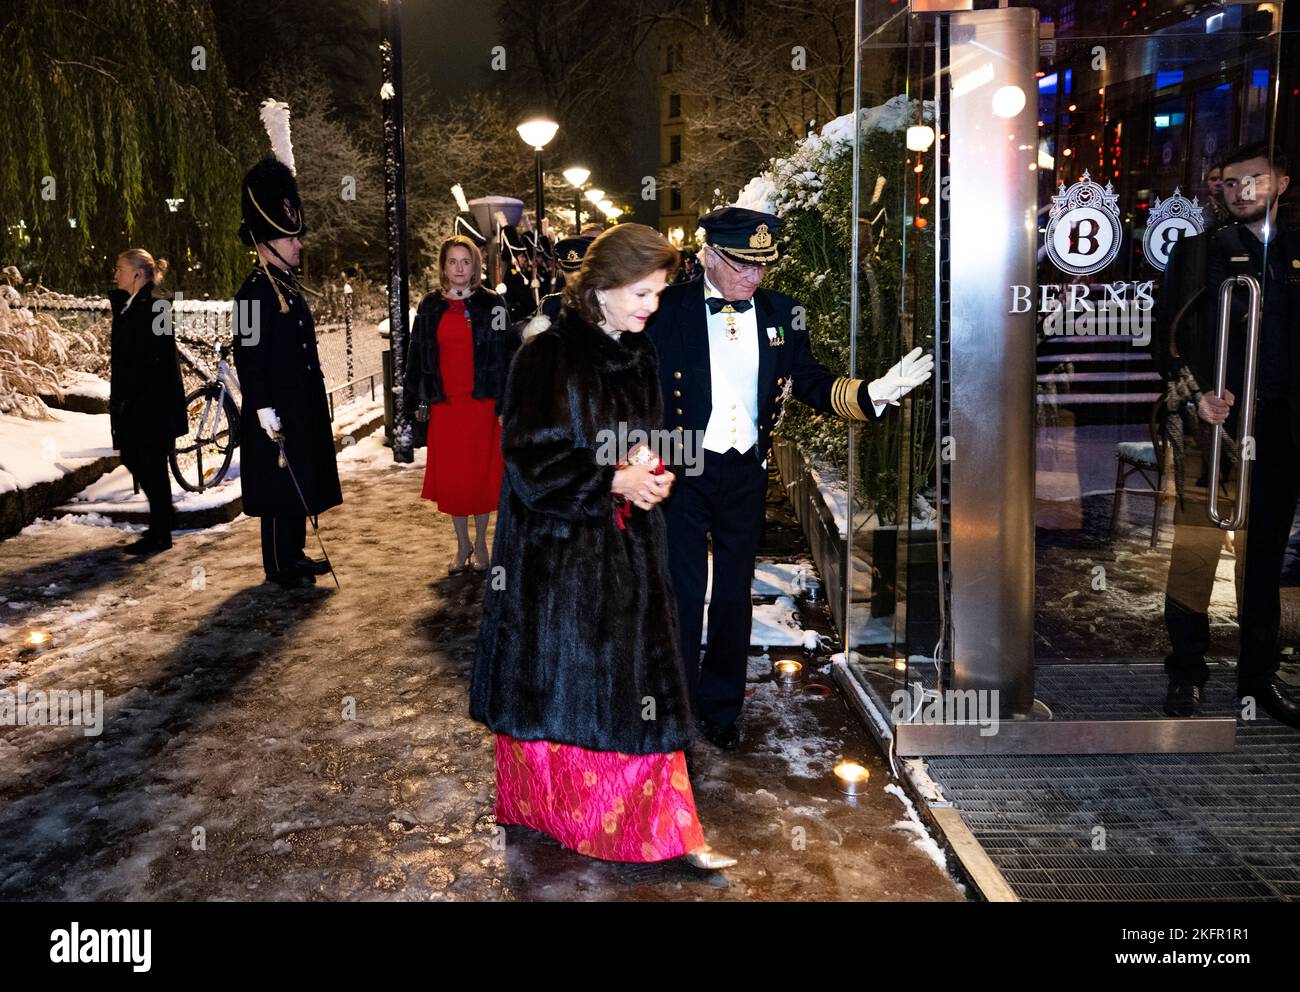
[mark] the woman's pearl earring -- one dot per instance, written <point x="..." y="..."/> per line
<point x="600" y="298"/>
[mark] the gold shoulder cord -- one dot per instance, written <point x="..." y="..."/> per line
<point x="284" y="307"/>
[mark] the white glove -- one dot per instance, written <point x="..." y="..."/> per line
<point x="913" y="370"/>
<point x="270" y="422"/>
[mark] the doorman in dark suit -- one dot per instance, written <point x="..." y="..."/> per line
<point x="1255" y="178"/>
<point x="730" y="354"/>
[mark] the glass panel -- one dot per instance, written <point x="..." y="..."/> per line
<point x="1153" y="108"/>
<point x="891" y="548"/>
<point x="1137" y="105"/>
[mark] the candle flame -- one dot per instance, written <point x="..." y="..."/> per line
<point x="851" y="771"/>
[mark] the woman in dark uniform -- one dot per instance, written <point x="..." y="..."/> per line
<point x="146" y="399"/>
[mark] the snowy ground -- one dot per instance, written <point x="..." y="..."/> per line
<point x="35" y="451"/>
<point x="314" y="745"/>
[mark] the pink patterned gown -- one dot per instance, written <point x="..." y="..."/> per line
<point x="604" y="804"/>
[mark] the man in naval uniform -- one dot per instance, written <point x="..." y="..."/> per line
<point x="280" y="377"/>
<point x="730" y="354"/>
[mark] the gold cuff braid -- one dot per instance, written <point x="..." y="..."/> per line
<point x="844" y="398"/>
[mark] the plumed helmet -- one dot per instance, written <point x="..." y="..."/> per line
<point x="270" y="204"/>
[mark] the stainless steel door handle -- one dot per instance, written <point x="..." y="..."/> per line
<point x="1246" y="423"/>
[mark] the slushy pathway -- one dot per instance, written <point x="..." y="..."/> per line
<point x="315" y="745"/>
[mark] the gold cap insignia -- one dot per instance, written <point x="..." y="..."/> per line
<point x="572" y="256"/>
<point x="760" y="238"/>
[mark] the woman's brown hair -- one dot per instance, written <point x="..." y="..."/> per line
<point x="475" y="261"/>
<point x="154" y="270"/>
<point x="622" y="255"/>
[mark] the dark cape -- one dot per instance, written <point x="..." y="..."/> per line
<point x="278" y="366"/>
<point x="578" y="642"/>
<point x="146" y="398"/>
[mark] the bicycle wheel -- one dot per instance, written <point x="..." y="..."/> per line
<point x="202" y="458"/>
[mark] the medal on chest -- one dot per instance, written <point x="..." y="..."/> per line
<point x="733" y="332"/>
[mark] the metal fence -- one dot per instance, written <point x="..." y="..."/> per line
<point x="350" y="356"/>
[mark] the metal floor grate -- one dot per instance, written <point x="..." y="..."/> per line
<point x="1203" y="827"/>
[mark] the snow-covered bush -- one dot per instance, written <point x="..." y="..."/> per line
<point x="811" y="190"/>
<point x="35" y="352"/>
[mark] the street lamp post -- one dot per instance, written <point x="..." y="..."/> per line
<point x="576" y="175"/>
<point x="538" y="132"/>
<point x="395" y="212"/>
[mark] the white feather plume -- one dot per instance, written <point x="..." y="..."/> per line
<point x="275" y="118"/>
<point x="536" y="326"/>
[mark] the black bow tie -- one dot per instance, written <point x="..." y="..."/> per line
<point x="716" y="303"/>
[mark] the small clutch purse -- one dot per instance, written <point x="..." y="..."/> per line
<point x="640" y="455"/>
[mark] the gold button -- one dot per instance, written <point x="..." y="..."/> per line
<point x="733" y="416"/>
<point x="679" y="409"/>
<point x="677" y="392"/>
<point x="733" y="406"/>
<point x="733" y="430"/>
<point x="780" y="382"/>
<point x="677" y="375"/>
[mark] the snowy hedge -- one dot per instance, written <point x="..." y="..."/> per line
<point x="35" y="353"/>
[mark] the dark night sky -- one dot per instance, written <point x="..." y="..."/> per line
<point x="447" y="44"/>
<point x="446" y="50"/>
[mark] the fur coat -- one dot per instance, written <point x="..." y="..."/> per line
<point x="578" y="641"/>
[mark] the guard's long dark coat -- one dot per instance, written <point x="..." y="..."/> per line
<point x="578" y="642"/>
<point x="278" y="366"/>
<point x="146" y="398"/>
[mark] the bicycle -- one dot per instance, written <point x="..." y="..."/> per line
<point x="204" y="457"/>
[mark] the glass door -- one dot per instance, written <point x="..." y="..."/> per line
<point x="1140" y="108"/>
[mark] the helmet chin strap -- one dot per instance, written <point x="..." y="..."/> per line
<point x="271" y="249"/>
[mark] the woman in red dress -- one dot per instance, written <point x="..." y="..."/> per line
<point x="577" y="669"/>
<point x="460" y="351"/>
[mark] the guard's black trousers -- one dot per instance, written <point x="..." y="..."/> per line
<point x="283" y="538"/>
<point x="726" y="500"/>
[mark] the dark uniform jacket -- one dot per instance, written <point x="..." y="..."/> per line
<point x="146" y="398"/>
<point x="579" y="641"/>
<point x="493" y="348"/>
<point x="278" y="366"/>
<point x="786" y="366"/>
<point x="1187" y="312"/>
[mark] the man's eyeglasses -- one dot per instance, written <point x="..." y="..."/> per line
<point x="740" y="270"/>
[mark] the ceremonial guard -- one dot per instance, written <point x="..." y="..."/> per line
<point x="569" y="253"/>
<point x="730" y="354"/>
<point x="286" y="445"/>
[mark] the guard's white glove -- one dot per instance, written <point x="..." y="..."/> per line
<point x="270" y="422"/>
<point x="913" y="370"/>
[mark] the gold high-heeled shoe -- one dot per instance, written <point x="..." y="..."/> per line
<point x="710" y="860"/>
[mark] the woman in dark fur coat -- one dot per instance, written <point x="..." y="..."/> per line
<point x="577" y="668"/>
